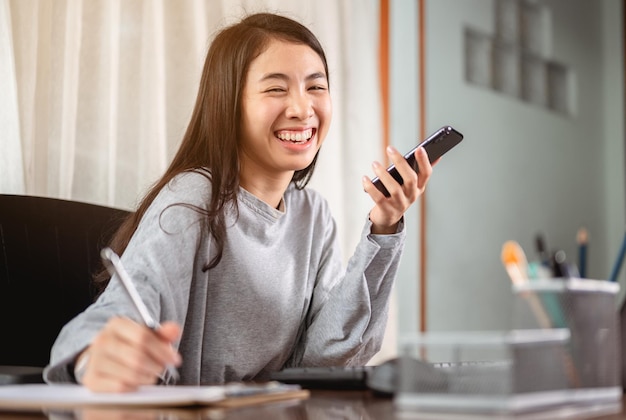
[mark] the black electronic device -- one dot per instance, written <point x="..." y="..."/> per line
<point x="436" y="145"/>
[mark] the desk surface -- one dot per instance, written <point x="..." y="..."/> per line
<point x="322" y="405"/>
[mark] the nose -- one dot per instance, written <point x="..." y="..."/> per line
<point x="300" y="106"/>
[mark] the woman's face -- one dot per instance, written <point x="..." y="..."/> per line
<point x="286" y="110"/>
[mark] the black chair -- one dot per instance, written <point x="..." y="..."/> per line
<point x="49" y="251"/>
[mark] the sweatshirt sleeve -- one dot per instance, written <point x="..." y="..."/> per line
<point x="159" y="258"/>
<point x="348" y="314"/>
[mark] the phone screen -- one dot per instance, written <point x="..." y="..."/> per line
<point x="436" y="145"/>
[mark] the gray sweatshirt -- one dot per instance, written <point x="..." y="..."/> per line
<point x="279" y="297"/>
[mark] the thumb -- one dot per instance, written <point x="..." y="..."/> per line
<point x="170" y="331"/>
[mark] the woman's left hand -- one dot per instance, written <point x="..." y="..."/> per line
<point x="389" y="210"/>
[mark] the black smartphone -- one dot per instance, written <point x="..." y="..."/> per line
<point x="435" y="145"/>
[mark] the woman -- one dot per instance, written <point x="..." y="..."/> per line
<point x="229" y="251"/>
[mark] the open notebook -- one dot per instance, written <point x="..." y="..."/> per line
<point x="36" y="396"/>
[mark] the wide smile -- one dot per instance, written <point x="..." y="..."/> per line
<point x="296" y="136"/>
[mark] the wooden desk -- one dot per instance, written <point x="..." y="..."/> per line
<point x="322" y="405"/>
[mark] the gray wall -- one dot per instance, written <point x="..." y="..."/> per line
<point x="521" y="169"/>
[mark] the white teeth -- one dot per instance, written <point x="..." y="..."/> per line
<point x="296" y="137"/>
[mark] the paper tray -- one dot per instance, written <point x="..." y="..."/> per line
<point x="491" y="373"/>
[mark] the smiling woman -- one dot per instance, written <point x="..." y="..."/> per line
<point x="230" y="242"/>
<point x="98" y="94"/>
<point x="286" y="113"/>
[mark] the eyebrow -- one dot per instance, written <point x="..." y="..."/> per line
<point x="282" y="76"/>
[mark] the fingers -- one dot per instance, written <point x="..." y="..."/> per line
<point x="425" y="168"/>
<point x="389" y="210"/>
<point x="390" y="183"/>
<point x="412" y="185"/>
<point x="125" y="355"/>
<point x="170" y="331"/>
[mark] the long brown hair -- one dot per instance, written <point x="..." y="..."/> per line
<point x="212" y="137"/>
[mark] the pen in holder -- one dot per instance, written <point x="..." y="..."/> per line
<point x="588" y="309"/>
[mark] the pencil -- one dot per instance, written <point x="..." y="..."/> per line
<point x="620" y="259"/>
<point x="582" y="238"/>
<point x="540" y="244"/>
<point x="515" y="263"/>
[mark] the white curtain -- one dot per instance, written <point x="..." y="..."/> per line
<point x="11" y="169"/>
<point x="96" y="94"/>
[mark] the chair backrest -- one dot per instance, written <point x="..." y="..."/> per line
<point x="49" y="251"/>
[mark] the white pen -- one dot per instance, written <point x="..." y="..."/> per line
<point x="114" y="266"/>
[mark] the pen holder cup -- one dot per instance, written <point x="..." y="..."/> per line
<point x="483" y="372"/>
<point x="588" y="308"/>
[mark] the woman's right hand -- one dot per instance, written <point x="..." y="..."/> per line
<point x="125" y="355"/>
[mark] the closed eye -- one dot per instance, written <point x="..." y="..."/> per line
<point x="275" y="90"/>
